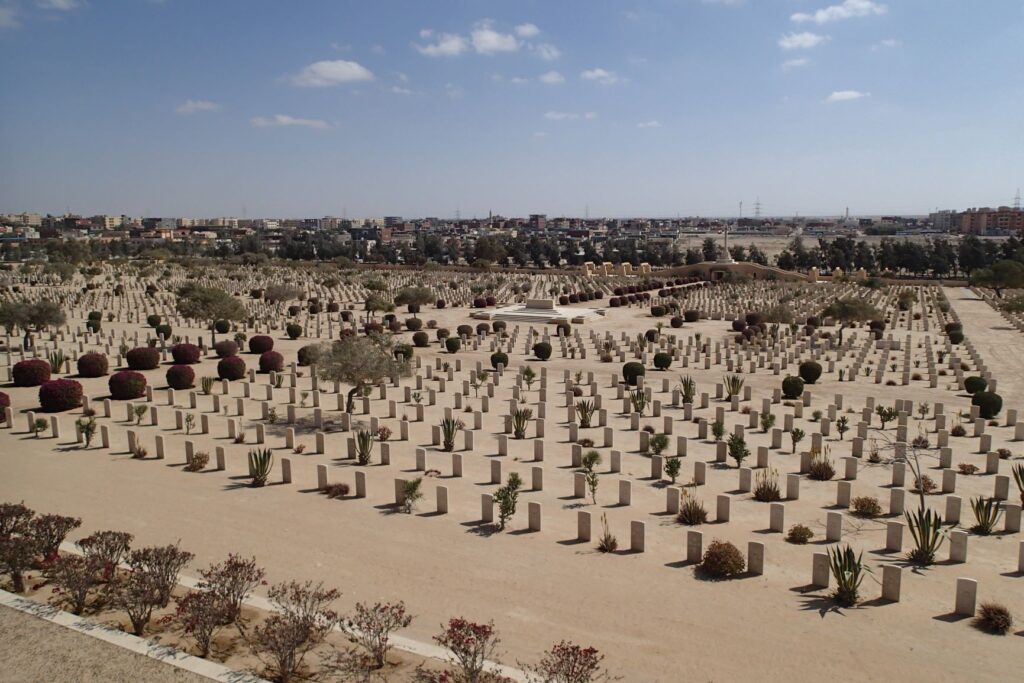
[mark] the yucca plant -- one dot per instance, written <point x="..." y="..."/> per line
<point x="987" y="512"/>
<point x="364" y="446"/>
<point x="848" y="570"/>
<point x="1018" y="476"/>
<point x="638" y="398"/>
<point x="449" y="428"/>
<point x="207" y="385"/>
<point x="766" y="486"/>
<point x="520" y="419"/>
<point x="57" y="360"/>
<point x="926" y="529"/>
<point x="607" y="543"/>
<point x="261" y="460"/>
<point x="688" y="386"/>
<point x="733" y="385"/>
<point x="585" y="411"/>
<point x="411" y="494"/>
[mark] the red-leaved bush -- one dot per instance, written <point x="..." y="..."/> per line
<point x="231" y="368"/>
<point x="271" y="361"/>
<point x="180" y="377"/>
<point x="261" y="343"/>
<point x="92" y="364"/>
<point x="127" y="385"/>
<point x="143" y="358"/>
<point x="31" y="373"/>
<point x="59" y="395"/>
<point x="226" y="348"/>
<point x="185" y="354"/>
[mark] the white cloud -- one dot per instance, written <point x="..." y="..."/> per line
<point x="846" y="96"/>
<point x="848" y="9"/>
<point x="518" y="80"/>
<point x="797" y="63"/>
<point x="487" y="41"/>
<point x="195" y="106"/>
<point x="60" y="5"/>
<point x="552" y="78"/>
<point x="801" y="41"/>
<point x="648" y="124"/>
<point x="600" y="75"/>
<point x="547" y="51"/>
<point x="283" y="121"/>
<point x="330" y="73"/>
<point x="398" y="90"/>
<point x="527" y="30"/>
<point x="887" y="44"/>
<point x="568" y="116"/>
<point x="446" y="45"/>
<point x="9" y="17"/>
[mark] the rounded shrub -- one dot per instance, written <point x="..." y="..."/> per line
<point x="877" y="325"/>
<point x="973" y="385"/>
<point x="442" y="333"/>
<point x="754" y="318"/>
<point x="293" y="330"/>
<point x="657" y="310"/>
<point x="722" y="560"/>
<point x="479" y="302"/>
<point x="333" y="307"/>
<point x="226" y="348"/>
<point x="261" y="343"/>
<point x="810" y="371"/>
<point x="421" y="339"/>
<point x="631" y="371"/>
<point x="662" y="360"/>
<point x="95" y="315"/>
<point x="440" y="303"/>
<point x="153" y="320"/>
<point x="792" y="387"/>
<point x="256" y="293"/>
<point x="92" y="364"/>
<point x="483" y="328"/>
<point x="185" y="354"/>
<point x="563" y="329"/>
<point x="143" y="358"/>
<point x="31" y="373"/>
<point x="491" y="301"/>
<point x="954" y="327"/>
<point x="413" y="324"/>
<point x="464" y="330"/>
<point x="127" y="385"/>
<point x="542" y="350"/>
<point x="614" y="302"/>
<point x="676" y="321"/>
<point x="738" y="325"/>
<point x="221" y="326"/>
<point x="373" y="328"/>
<point x="271" y="361"/>
<point x="308" y="355"/>
<point x="499" y="358"/>
<point x="452" y="344"/>
<point x="231" y="368"/>
<point x="989" y="403"/>
<point x="394" y="326"/>
<point x="691" y="316"/>
<point x="499" y="326"/>
<point x="59" y="395"/>
<point x="180" y="377"/>
<point x="563" y="300"/>
<point x="956" y="337"/>
<point x="93" y="325"/>
<point x="164" y="331"/>
<point x="294" y="311"/>
<point x="651" y="335"/>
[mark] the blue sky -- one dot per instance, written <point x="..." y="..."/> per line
<point x="417" y="108"/>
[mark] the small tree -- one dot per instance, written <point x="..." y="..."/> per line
<point x="31" y="317"/>
<point x="162" y="564"/>
<point x="507" y="498"/>
<point x="470" y="645"/>
<point x="797" y="436"/>
<point x="842" y="426"/>
<point x="201" y="614"/>
<point x="107" y="549"/>
<point x="75" y="576"/>
<point x="567" y="662"/>
<point x="738" y="450"/>
<point x="209" y="305"/>
<point x="138" y="595"/>
<point x="231" y="581"/>
<point x="411" y="494"/>
<point x="361" y="362"/>
<point x="17" y="555"/>
<point x="717" y="430"/>
<point x="303" y="620"/>
<point x="672" y="467"/>
<point x="767" y="422"/>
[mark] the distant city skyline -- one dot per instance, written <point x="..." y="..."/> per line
<point x="655" y="108"/>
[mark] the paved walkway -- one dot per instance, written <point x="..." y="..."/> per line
<point x="1001" y="346"/>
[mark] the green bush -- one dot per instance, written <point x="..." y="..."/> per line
<point x="542" y="350"/>
<point x="421" y="339"/>
<point x="792" y="387"/>
<point x="631" y="371"/>
<point x="975" y="384"/>
<point x="989" y="403"/>
<point x="452" y="344"/>
<point x="810" y="371"/>
<point x="662" y="360"/>
<point x="499" y="358"/>
<point x="293" y="330"/>
<point x="722" y="560"/>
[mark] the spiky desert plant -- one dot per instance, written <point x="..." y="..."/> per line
<point x="1018" y="476"/>
<point x="607" y="543"/>
<point x="821" y="468"/>
<point x="848" y="570"/>
<point x="733" y="385"/>
<point x="449" y="428"/>
<point x="585" y="411"/>
<point x="994" y="618"/>
<point x="688" y="387"/>
<point x="520" y="419"/>
<point x="364" y="446"/>
<point x="987" y="512"/>
<point x="57" y="359"/>
<point x="926" y="530"/>
<point x="412" y="494"/>
<point x="766" y="486"/>
<point x="691" y="510"/>
<point x="638" y="399"/>
<point x="207" y="385"/>
<point x="261" y="460"/>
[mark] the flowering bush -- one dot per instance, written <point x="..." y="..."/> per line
<point x="143" y="358"/>
<point x="31" y="373"/>
<point x="92" y="365"/>
<point x="185" y="354"/>
<point x="127" y="385"/>
<point x="231" y="368"/>
<point x="59" y="395"/>
<point x="261" y="343"/>
<point x="180" y="377"/>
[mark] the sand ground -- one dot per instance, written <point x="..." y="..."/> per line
<point x="654" y="620"/>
